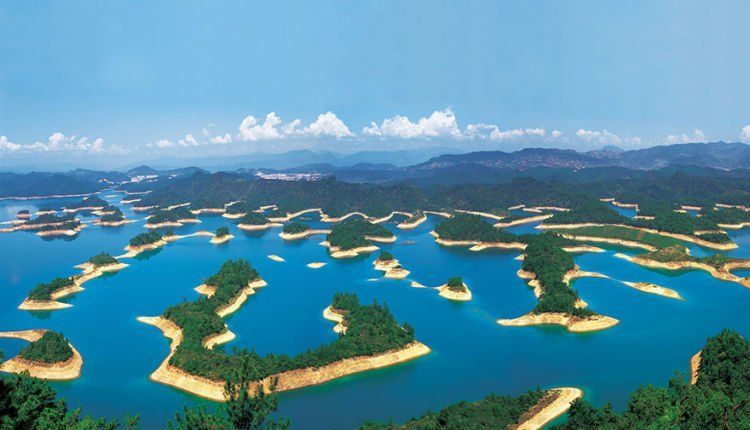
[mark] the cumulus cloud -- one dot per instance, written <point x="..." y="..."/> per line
<point x="227" y="138"/>
<point x="6" y="146"/>
<point x="745" y="135"/>
<point x="697" y="136"/>
<point x="252" y="130"/>
<point x="59" y="142"/>
<point x="440" y="124"/>
<point x="328" y="124"/>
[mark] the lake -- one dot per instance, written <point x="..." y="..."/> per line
<point x="472" y="355"/>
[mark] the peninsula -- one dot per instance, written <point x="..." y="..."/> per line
<point x="48" y="356"/>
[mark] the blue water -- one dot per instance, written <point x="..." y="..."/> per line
<point x="472" y="355"/>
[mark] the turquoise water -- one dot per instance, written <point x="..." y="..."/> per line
<point x="472" y="355"/>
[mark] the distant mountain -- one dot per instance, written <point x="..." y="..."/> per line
<point x="37" y="184"/>
<point x="150" y="171"/>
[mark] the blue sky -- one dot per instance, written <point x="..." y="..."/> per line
<point x="152" y="78"/>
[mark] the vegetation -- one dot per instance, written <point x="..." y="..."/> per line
<point x="675" y="222"/>
<point x="29" y="403"/>
<point x="72" y="224"/>
<point x="678" y="253"/>
<point x="623" y="233"/>
<point x="719" y="399"/>
<point x="370" y="330"/>
<point x="146" y="238"/>
<point x="492" y="412"/>
<point x="345" y="301"/>
<point x="253" y="218"/>
<point x="50" y="219"/>
<point x="296" y="227"/>
<point x="222" y="231"/>
<point x="467" y="227"/>
<point x="353" y="232"/>
<point x="88" y="202"/>
<point x="240" y="208"/>
<point x="546" y="258"/>
<point x="23" y="212"/>
<point x="385" y="256"/>
<point x="725" y="215"/>
<point x="159" y="216"/>
<point x="52" y="347"/>
<point x="456" y="284"/>
<point x="44" y="291"/>
<point x="115" y="216"/>
<point x="590" y="212"/>
<point x="103" y="259"/>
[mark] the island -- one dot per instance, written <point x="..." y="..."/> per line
<point x="238" y="210"/>
<point x="678" y="257"/>
<point x="174" y="217"/>
<point x="87" y="204"/>
<point x="254" y="222"/>
<point x="113" y="218"/>
<point x="222" y="235"/>
<point x="23" y="214"/>
<point x="68" y="228"/>
<point x="414" y="220"/>
<point x="45" y="296"/>
<point x="549" y="268"/>
<point x="354" y="236"/>
<point x="455" y="289"/>
<point x="373" y="340"/>
<point x="386" y="263"/>
<point x="299" y="230"/>
<point x="49" y="355"/>
<point x="465" y="229"/>
<point x="146" y="242"/>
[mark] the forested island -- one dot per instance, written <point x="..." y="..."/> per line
<point x="455" y="289"/>
<point x="49" y="355"/>
<point x="146" y="241"/>
<point x="91" y="203"/>
<point x="173" y="217"/>
<point x="252" y="221"/>
<point x="373" y="335"/>
<point x="464" y="229"/>
<point x="114" y="218"/>
<point x="222" y="235"/>
<point x="354" y="236"/>
<point x="300" y="230"/>
<point x="549" y="267"/>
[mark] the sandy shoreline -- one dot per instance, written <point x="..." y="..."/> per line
<point x="258" y="227"/>
<point x="647" y="287"/>
<point x="482" y="214"/>
<point x="132" y="251"/>
<point x="303" y="234"/>
<point x="695" y="365"/>
<point x="112" y="223"/>
<point x="315" y="265"/>
<point x="572" y="323"/>
<point x="563" y="398"/>
<point x="64" y="371"/>
<point x="620" y="242"/>
<point x="525" y="220"/>
<point x="725" y="275"/>
<point x="336" y="316"/>
<point x="290" y="216"/>
<point x="456" y="296"/>
<point x="477" y="246"/>
<point x="218" y="240"/>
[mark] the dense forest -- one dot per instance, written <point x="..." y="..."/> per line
<point x="88" y="202"/>
<point x="456" y="284"/>
<point x="44" y="291"/>
<point x="115" y="216"/>
<point x="252" y="218"/>
<point x="371" y="329"/>
<point x="103" y="259"/>
<point x="296" y="227"/>
<point x="353" y="232"/>
<point x="385" y="256"/>
<point x="50" y="219"/>
<point x="491" y="412"/>
<point x="589" y="212"/>
<point x="52" y="347"/>
<point x="546" y="258"/>
<point x="345" y="301"/>
<point x="145" y="238"/>
<point x="222" y="231"/>
<point x="170" y="215"/>
<point x="72" y="224"/>
<point x="718" y="400"/>
<point x="468" y="227"/>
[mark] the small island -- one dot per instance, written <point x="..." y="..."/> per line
<point x="386" y="263"/>
<point x="68" y="228"/>
<point x="146" y="242"/>
<point x="238" y="210"/>
<point x="255" y="222"/>
<point x="354" y="236"/>
<point x="174" y="217"/>
<point x="455" y="289"/>
<point x="49" y="355"/>
<point x="467" y="229"/>
<point x="373" y="340"/>
<point x="222" y="235"/>
<point x="299" y="230"/>
<point x="113" y="218"/>
<point x="23" y="214"/>
<point x="87" y="204"/>
<point x="548" y="267"/>
<point x="46" y="296"/>
<point x="414" y="220"/>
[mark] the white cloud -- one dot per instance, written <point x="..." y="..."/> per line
<point x="697" y="136"/>
<point x="603" y="137"/>
<point x="556" y="134"/>
<point x="251" y="130"/>
<point x="745" y="136"/>
<point x="227" y="138"/>
<point x="7" y="146"/>
<point x="440" y="124"/>
<point x="328" y="124"/>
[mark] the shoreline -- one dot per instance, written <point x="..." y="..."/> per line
<point x="477" y="246"/>
<point x="456" y="296"/>
<point x="685" y="238"/>
<point x="658" y="290"/>
<point x="408" y="225"/>
<point x="695" y="365"/>
<point x="572" y="323"/>
<point x="525" y="220"/>
<point x="336" y="316"/>
<point x="563" y="398"/>
<point x="678" y="265"/>
<point x="337" y="252"/>
<point x="62" y="371"/>
<point x="218" y="240"/>
<point x="316" y="265"/>
<point x="132" y="251"/>
<point x="290" y="216"/>
<point x="258" y="227"/>
<point x="611" y="241"/>
<point x="303" y="235"/>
